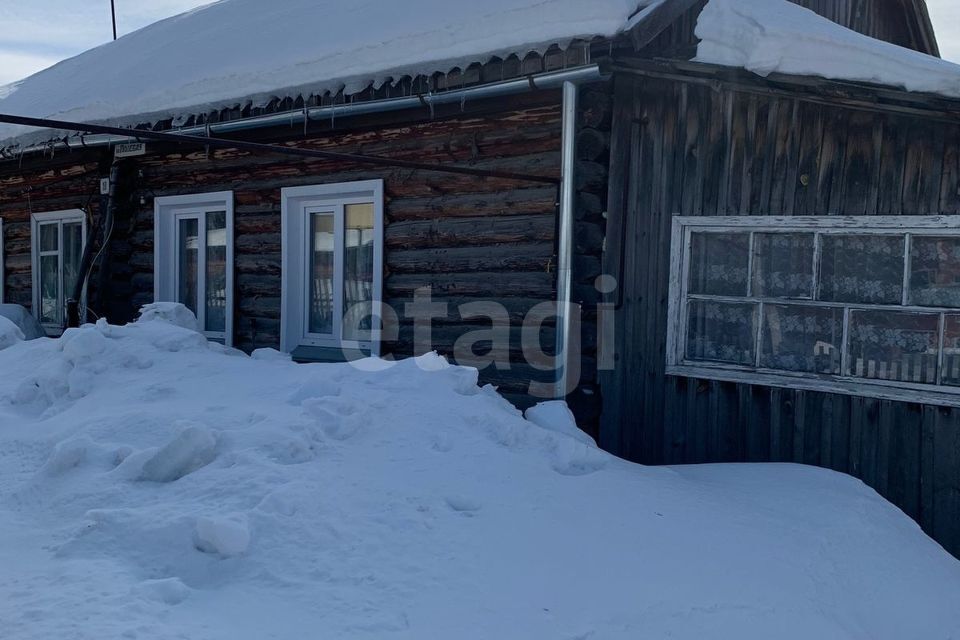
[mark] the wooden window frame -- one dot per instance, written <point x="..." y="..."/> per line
<point x="907" y="226"/>
<point x="297" y="205"/>
<point x="168" y="212"/>
<point x="38" y="220"/>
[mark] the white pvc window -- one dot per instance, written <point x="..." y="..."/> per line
<point x="193" y="261"/>
<point x="865" y="305"/>
<point x="332" y="241"/>
<point x="56" y="248"/>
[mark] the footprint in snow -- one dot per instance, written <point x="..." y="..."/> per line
<point x="463" y="505"/>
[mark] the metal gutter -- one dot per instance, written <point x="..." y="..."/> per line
<point x="301" y="117"/>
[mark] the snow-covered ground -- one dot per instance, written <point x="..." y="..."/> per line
<point x="154" y="486"/>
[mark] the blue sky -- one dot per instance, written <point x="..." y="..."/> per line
<point x="39" y="33"/>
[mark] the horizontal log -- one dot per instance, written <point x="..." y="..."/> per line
<point x="474" y="284"/>
<point x="512" y="257"/>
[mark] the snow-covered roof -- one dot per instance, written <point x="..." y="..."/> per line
<point x="250" y="51"/>
<point x="776" y="36"/>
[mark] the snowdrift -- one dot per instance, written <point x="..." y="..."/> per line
<point x="777" y="36"/>
<point x="154" y="485"/>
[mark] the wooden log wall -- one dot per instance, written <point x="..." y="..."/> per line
<point x="468" y="238"/>
<point x="694" y="149"/>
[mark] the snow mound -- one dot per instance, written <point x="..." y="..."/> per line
<point x="172" y="312"/>
<point x="777" y="36"/>
<point x="154" y="485"/>
<point x="10" y="334"/>
<point x="19" y="316"/>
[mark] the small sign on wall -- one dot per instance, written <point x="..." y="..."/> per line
<point x="130" y="149"/>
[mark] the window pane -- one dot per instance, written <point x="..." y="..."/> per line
<point x="188" y="251"/>
<point x="358" y="272"/>
<point x="72" y="255"/>
<point x="898" y="346"/>
<point x="49" y="289"/>
<point x="216" y="272"/>
<point x="935" y="272"/>
<point x="865" y="269"/>
<point x="783" y="265"/>
<point x="721" y="332"/>
<point x="718" y="263"/>
<point x="951" y="352"/>
<point x="321" y="273"/>
<point x="48" y="237"/>
<point x="803" y="339"/>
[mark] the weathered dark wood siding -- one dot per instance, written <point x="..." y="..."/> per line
<point x="705" y="150"/>
<point x="468" y="238"/>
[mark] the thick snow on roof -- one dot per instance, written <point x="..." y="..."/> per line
<point x="154" y="485"/>
<point x="235" y="51"/>
<point x="776" y="36"/>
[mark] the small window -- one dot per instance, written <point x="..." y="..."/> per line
<point x="57" y="241"/>
<point x="332" y="266"/>
<point x="860" y="305"/>
<point x="193" y="262"/>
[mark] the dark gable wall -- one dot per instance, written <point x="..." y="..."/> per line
<point x="468" y="238"/>
<point x="702" y="150"/>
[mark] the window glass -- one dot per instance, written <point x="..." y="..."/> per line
<point x="358" y="271"/>
<point x="49" y="240"/>
<point x="894" y="345"/>
<point x="783" y="265"/>
<point x="950" y="375"/>
<point x="189" y="258"/>
<point x="49" y="289"/>
<point x="862" y="268"/>
<point x="802" y="339"/>
<point x="72" y="255"/>
<point x="321" y="283"/>
<point x="721" y="332"/>
<point x="216" y="272"/>
<point x="719" y="263"/>
<point x="935" y="272"/>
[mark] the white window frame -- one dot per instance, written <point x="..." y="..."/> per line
<point x="297" y="205"/>
<point x="908" y="226"/>
<point x="168" y="211"/>
<point x="59" y="218"/>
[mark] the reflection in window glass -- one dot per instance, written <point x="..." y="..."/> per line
<point x="72" y="255"/>
<point x="721" y="332"/>
<point x="862" y="269"/>
<point x="50" y="289"/>
<point x="216" y="272"/>
<point x="783" y="265"/>
<point x="894" y="345"/>
<point x="189" y="256"/>
<point x="358" y="271"/>
<point x="935" y="272"/>
<point x="802" y="339"/>
<point x="719" y="263"/>
<point x="321" y="281"/>
<point x="950" y="374"/>
<point x="49" y="237"/>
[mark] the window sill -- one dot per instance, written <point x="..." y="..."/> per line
<point x="883" y="390"/>
<point x="307" y="354"/>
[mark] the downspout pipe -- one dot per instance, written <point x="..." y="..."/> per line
<point x="565" y="234"/>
